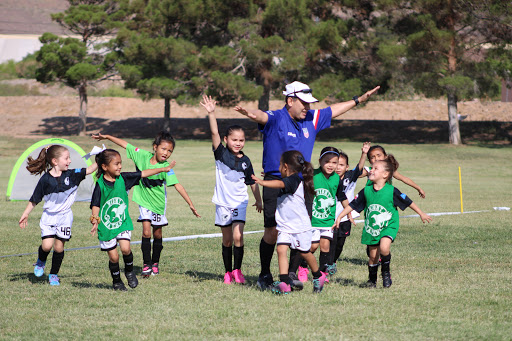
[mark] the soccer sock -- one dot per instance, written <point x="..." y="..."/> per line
<point x="332" y="248"/>
<point x="115" y="272"/>
<point x="286" y="279"/>
<point x="157" y="250"/>
<point x="266" y="253"/>
<point x="339" y="248"/>
<point x="324" y="259"/>
<point x="295" y="260"/>
<point x="317" y="274"/>
<point x="56" y="262"/>
<point x="145" y="246"/>
<point x="303" y="263"/>
<point x="372" y="272"/>
<point x="227" y="257"/>
<point x="42" y="255"/>
<point x="128" y="262"/>
<point x="385" y="260"/>
<point x="238" y="253"/>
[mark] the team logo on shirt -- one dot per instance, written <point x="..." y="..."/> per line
<point x="244" y="165"/>
<point x="306" y="132"/>
<point x="291" y="134"/>
<point x="377" y="218"/>
<point x="322" y="204"/>
<point x="66" y="181"/>
<point x="137" y="149"/>
<point x="113" y="213"/>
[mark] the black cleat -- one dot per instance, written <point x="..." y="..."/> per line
<point x="265" y="282"/>
<point x="119" y="286"/>
<point x="296" y="284"/>
<point x="386" y="279"/>
<point x="132" y="279"/>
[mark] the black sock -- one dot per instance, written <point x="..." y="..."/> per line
<point x="227" y="257"/>
<point x="157" y="250"/>
<point x="332" y="248"/>
<point x="285" y="278"/>
<point x="324" y="260"/>
<point x="145" y="246"/>
<point x="42" y="255"/>
<point x="115" y="272"/>
<point x="56" y="262"/>
<point x="238" y="256"/>
<point x="339" y="248"/>
<point x="372" y="272"/>
<point x="303" y="263"/>
<point x="317" y="274"/>
<point x="385" y="260"/>
<point x="128" y="262"/>
<point x="295" y="260"/>
<point x="266" y="253"/>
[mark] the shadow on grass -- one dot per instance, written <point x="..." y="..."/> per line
<point x="28" y="276"/>
<point x="86" y="285"/>
<point x="199" y="276"/>
<point x="355" y="261"/>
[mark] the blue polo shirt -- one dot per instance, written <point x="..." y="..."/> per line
<point x="282" y="133"/>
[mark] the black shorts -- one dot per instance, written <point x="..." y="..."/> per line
<point x="270" y="202"/>
<point x="344" y="229"/>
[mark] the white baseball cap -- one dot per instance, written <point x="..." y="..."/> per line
<point x="301" y="91"/>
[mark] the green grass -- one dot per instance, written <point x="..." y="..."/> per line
<point x="451" y="279"/>
<point x="18" y="90"/>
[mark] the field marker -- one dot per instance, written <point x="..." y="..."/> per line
<point x="460" y="186"/>
<point x="216" y="235"/>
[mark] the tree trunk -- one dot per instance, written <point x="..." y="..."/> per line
<point x="263" y="102"/>
<point x="167" y="115"/>
<point x="453" y="120"/>
<point x="82" y="114"/>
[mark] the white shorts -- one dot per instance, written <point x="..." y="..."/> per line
<point x="225" y="216"/>
<point x="112" y="243"/>
<point x="155" y="219"/>
<point x="318" y="233"/>
<point x="56" y="225"/>
<point x="299" y="241"/>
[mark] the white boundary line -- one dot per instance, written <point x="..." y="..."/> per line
<point x="216" y="235"/>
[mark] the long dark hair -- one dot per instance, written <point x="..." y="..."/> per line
<point x="329" y="150"/>
<point x="43" y="163"/>
<point x="389" y="166"/>
<point x="389" y="157"/>
<point x="104" y="158"/>
<point x="297" y="164"/>
<point x="232" y="128"/>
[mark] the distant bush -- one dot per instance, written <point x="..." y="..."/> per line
<point x="18" y="90"/>
<point x="8" y="70"/>
<point x="27" y="67"/>
<point x="112" y="91"/>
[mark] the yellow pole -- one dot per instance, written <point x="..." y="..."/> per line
<point x="460" y="185"/>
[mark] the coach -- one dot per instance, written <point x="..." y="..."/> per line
<point x="292" y="128"/>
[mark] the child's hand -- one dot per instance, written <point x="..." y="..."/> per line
<point x="336" y="223"/>
<point x="94" y="228"/>
<point x="208" y="103"/>
<point x="23" y="221"/>
<point x="425" y="218"/>
<point x="257" y="180"/>
<point x="421" y="193"/>
<point x="244" y="112"/>
<point x="352" y="221"/>
<point x="171" y="165"/>
<point x="366" y="147"/>
<point x="259" y="206"/>
<point x="194" y="211"/>
<point x="98" y="137"/>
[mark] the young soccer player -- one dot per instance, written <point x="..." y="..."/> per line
<point x="151" y="194"/>
<point x="379" y="202"/>
<point x="233" y="171"/>
<point x="110" y="217"/>
<point x="58" y="188"/>
<point x="293" y="219"/>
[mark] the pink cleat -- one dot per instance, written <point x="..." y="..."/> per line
<point x="281" y="288"/>
<point x="326" y="276"/>
<point x="228" y="277"/>
<point x="239" y="277"/>
<point x="318" y="283"/>
<point x="303" y="274"/>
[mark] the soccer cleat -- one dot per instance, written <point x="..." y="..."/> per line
<point x="265" y="282"/>
<point x="238" y="276"/>
<point x="132" y="279"/>
<point x="39" y="268"/>
<point x="228" y="277"/>
<point x="281" y="288"/>
<point x="154" y="269"/>
<point x="303" y="274"/>
<point x="332" y="269"/>
<point x="296" y="284"/>
<point x="318" y="283"/>
<point x="386" y="279"/>
<point x="369" y="284"/>
<point x="119" y="286"/>
<point x="326" y="279"/>
<point x="53" y="279"/>
<point x="146" y="271"/>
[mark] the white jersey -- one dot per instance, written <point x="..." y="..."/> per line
<point x="291" y="214"/>
<point x="349" y="182"/>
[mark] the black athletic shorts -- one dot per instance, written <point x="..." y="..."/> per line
<point x="344" y="229"/>
<point x="270" y="202"/>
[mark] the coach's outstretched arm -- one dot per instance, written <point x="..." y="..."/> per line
<point x="342" y="107"/>
<point x="257" y="116"/>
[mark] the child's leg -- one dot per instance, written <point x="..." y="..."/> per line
<point x="318" y="277"/>
<point x="238" y="249"/>
<point x="113" y="265"/>
<point x="324" y="253"/>
<point x="373" y="264"/>
<point x="340" y="242"/>
<point x="128" y="263"/>
<point x="227" y="247"/>
<point x="58" y="256"/>
<point x="282" y="258"/>
<point x="146" y="243"/>
<point x="157" y="244"/>
<point x="385" y="255"/>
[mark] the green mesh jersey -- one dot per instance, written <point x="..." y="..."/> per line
<point x="324" y="203"/>
<point x="151" y="191"/>
<point x="380" y="213"/>
<point x="113" y="210"/>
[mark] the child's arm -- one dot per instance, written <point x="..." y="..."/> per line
<point x="148" y="172"/>
<point x="424" y="217"/>
<point x="409" y="182"/>
<point x="343" y="213"/>
<point x="209" y="104"/>
<point x="345" y="203"/>
<point x="362" y="160"/>
<point x="364" y="173"/>
<point x="95" y="219"/>
<point x="257" y="116"/>
<point x="256" y="192"/>
<point x="120" y="142"/>
<point x="181" y="190"/>
<point x="24" y="217"/>
<point x="268" y="183"/>
<point x="91" y="169"/>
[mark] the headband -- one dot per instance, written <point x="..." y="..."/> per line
<point x="300" y="159"/>
<point x="329" y="151"/>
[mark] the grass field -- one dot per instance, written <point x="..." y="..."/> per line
<point x="452" y="279"/>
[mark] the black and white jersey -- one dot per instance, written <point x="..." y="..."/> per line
<point x="58" y="193"/>
<point x="130" y="179"/>
<point x="292" y="214"/>
<point x="348" y="186"/>
<point x="232" y="175"/>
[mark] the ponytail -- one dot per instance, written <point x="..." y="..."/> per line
<point x="43" y="163"/>
<point x="391" y="158"/>
<point x="297" y="164"/>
